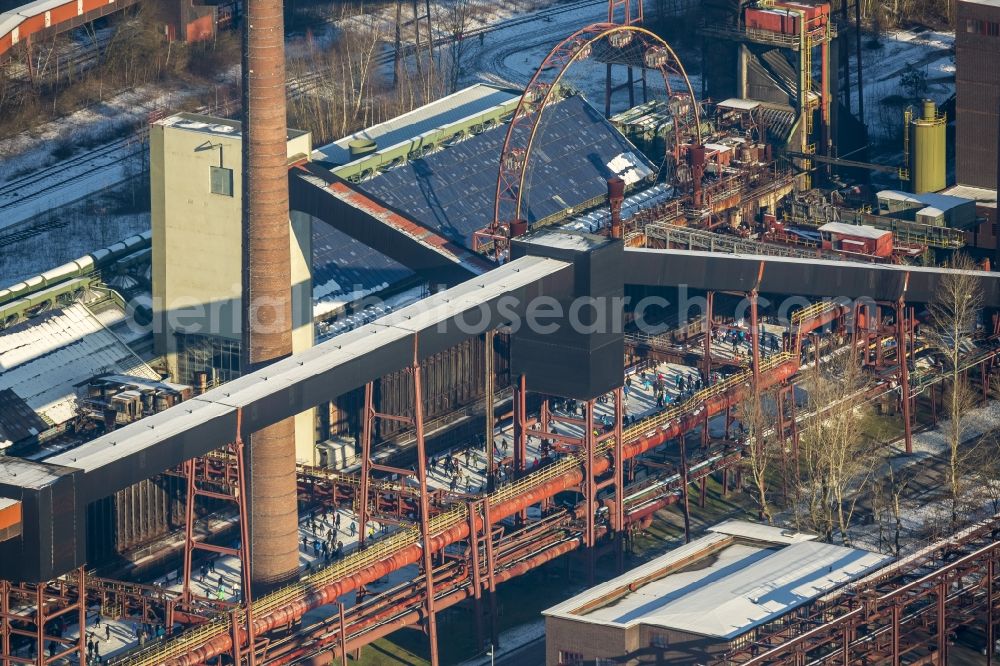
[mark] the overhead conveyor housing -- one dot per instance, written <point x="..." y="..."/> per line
<point x="160" y="442"/>
<point x="807" y="278"/>
<point x="318" y="192"/>
<point x="163" y="441"/>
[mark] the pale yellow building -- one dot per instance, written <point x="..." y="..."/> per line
<point x="196" y="191"/>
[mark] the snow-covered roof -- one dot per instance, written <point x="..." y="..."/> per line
<point x="43" y="358"/>
<point x="739" y="103"/>
<point x="983" y="196"/>
<point x="460" y="105"/>
<point x="942" y="201"/>
<point x="9" y="21"/>
<point x="721" y="586"/>
<point x="857" y="230"/>
<point x="195" y="122"/>
<point x="759" y="532"/>
<point x="988" y="3"/>
<point x="28" y="474"/>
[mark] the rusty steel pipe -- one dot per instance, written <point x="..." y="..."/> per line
<point x="328" y="594"/>
<point x="456" y="596"/>
<point x="267" y="299"/>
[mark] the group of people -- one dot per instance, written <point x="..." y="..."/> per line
<point x="737" y="337"/>
<point x="457" y="477"/>
<point x="329" y="547"/>
<point x="143" y="632"/>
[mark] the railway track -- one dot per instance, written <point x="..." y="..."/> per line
<point x="103" y="159"/>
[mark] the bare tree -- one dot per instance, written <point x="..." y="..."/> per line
<point x="759" y="453"/>
<point x="889" y="491"/>
<point x="456" y="23"/>
<point x="954" y="314"/>
<point x="837" y="460"/>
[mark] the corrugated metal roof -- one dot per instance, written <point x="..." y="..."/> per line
<point x="856" y="230"/>
<point x="983" y="196"/>
<point x="739" y="103"/>
<point x="758" y="532"/>
<point x="453" y="191"/>
<point x="740" y="586"/>
<point x="43" y="358"/>
<point x="343" y="267"/>
<point x="459" y="105"/>
<point x="942" y="202"/>
<point x="18" y="421"/>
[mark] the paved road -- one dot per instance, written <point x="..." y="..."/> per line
<point x="530" y="654"/>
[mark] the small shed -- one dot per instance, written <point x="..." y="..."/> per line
<point x="856" y="239"/>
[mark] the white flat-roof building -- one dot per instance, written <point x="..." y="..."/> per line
<point x="701" y="599"/>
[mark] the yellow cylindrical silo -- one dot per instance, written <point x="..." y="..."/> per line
<point x="929" y="155"/>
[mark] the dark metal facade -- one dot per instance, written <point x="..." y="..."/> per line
<point x="977" y="83"/>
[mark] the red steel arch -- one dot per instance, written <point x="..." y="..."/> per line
<point x="523" y="127"/>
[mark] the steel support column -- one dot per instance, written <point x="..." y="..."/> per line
<point x="619" y="519"/>
<point x="477" y="574"/>
<point x="990" y="639"/>
<point x="490" y="406"/>
<point x="942" y="621"/>
<point x="706" y="365"/>
<point x="896" y="615"/>
<point x="367" y="425"/>
<point x="590" y="489"/>
<point x="755" y="342"/>
<point x="684" y="490"/>
<point x="232" y="487"/>
<point x="902" y="360"/>
<point x="425" y="534"/>
<point x="343" y="634"/>
<point x="5" y="623"/>
<point x="491" y="570"/>
<point x="520" y="425"/>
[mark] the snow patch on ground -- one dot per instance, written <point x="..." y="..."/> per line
<point x="901" y="51"/>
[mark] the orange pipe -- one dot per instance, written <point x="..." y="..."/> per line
<point x="294" y="610"/>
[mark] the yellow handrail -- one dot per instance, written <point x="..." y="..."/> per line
<point x="379" y="550"/>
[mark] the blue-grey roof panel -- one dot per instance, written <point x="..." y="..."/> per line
<point x="942" y="202"/>
<point x="352" y="265"/>
<point x="453" y="190"/>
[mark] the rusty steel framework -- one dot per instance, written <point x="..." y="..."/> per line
<point x="628" y="45"/>
<point x="416" y="421"/>
<point x="41" y="614"/>
<point x="471" y="544"/>
<point x="908" y="610"/>
<point x="230" y="487"/>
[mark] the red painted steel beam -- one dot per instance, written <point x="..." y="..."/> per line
<point x="413" y="554"/>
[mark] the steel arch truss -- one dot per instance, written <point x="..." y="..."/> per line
<point x="628" y="45"/>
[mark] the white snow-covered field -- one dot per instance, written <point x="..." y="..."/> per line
<point x="885" y="69"/>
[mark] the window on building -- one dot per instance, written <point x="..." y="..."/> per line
<point x="993" y="29"/>
<point x="567" y="658"/>
<point x="218" y="357"/>
<point x="744" y="640"/>
<point x="222" y="181"/>
<point x="972" y="25"/>
<point x="659" y="641"/>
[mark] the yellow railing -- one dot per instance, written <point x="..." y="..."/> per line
<point x="383" y="548"/>
<point x="812" y="311"/>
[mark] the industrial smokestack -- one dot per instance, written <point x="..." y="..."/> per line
<point x="267" y="304"/>
<point x="616" y="197"/>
